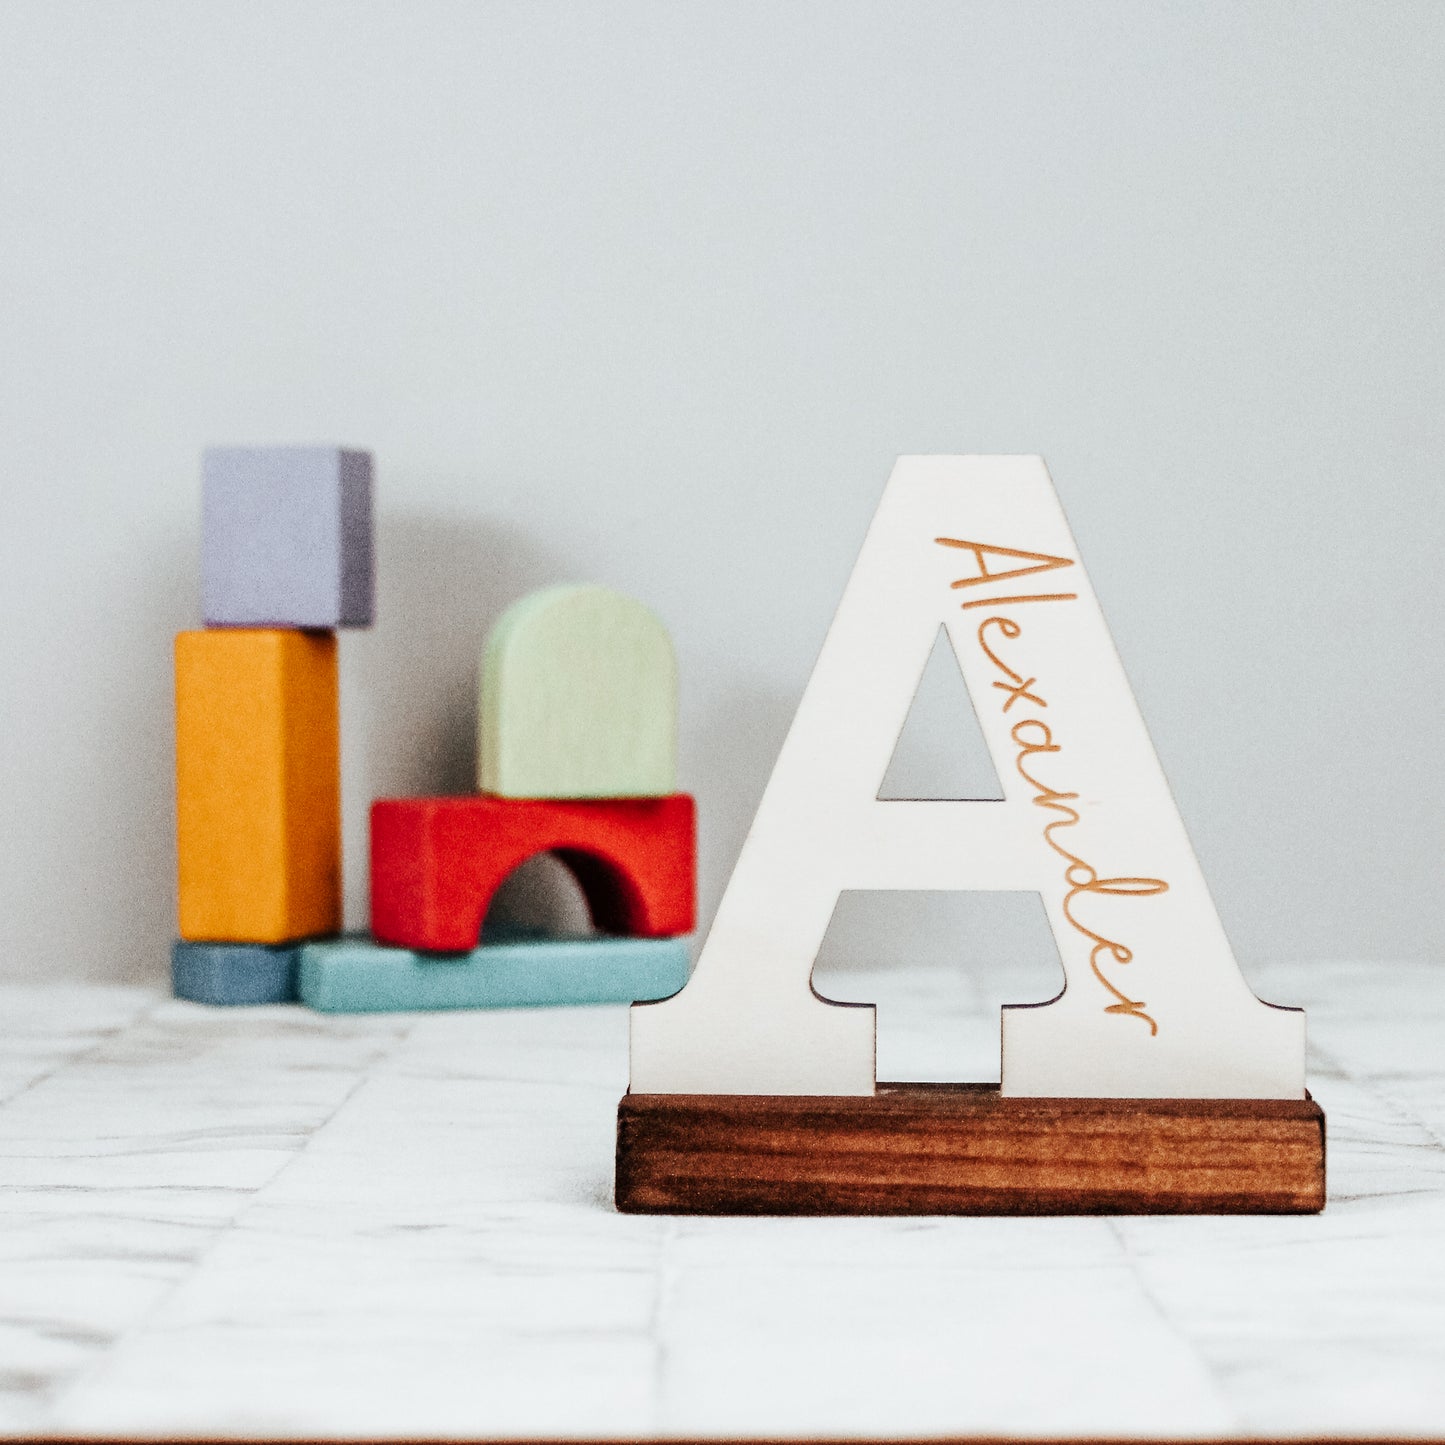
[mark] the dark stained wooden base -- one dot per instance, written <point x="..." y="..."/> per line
<point x="966" y="1149"/>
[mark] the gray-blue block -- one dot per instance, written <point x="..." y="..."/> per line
<point x="234" y="973"/>
<point x="355" y="975"/>
<point x="286" y="537"/>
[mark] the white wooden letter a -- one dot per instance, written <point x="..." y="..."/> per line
<point x="1153" y="1005"/>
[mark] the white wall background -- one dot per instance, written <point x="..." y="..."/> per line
<point x="653" y="293"/>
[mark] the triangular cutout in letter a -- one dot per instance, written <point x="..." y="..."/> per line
<point x="1154" y="1004"/>
<point x="941" y="753"/>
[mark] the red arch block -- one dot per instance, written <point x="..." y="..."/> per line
<point x="436" y="862"/>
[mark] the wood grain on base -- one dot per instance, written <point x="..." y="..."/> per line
<point x="967" y="1149"/>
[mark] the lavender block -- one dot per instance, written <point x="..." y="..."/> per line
<point x="286" y="537"/>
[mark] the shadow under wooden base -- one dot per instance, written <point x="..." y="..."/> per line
<point x="967" y="1149"/>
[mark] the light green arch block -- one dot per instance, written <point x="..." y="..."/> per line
<point x="578" y="699"/>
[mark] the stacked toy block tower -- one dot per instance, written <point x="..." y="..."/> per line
<point x="286" y="560"/>
<point x="577" y="750"/>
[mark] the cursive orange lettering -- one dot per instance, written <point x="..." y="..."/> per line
<point x="1034" y="738"/>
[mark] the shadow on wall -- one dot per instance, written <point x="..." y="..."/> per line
<point x="409" y="708"/>
<point x="728" y="744"/>
<point x="409" y="686"/>
<point x="126" y="737"/>
<point x="544" y="893"/>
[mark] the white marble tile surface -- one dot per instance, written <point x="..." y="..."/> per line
<point x="271" y="1222"/>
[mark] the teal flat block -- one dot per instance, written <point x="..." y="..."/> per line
<point x="234" y="974"/>
<point x="355" y="975"/>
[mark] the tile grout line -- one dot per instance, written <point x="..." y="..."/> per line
<point x="145" y="1012"/>
<point x="665" y="1284"/>
<point x="107" y="1353"/>
<point x="1379" y="1090"/>
<point x="1151" y="1297"/>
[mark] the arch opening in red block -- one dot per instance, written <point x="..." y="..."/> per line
<point x="582" y="892"/>
<point x="614" y="900"/>
<point x="437" y="863"/>
<point x="540" y="895"/>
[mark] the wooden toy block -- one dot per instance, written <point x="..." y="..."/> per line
<point x="231" y="974"/>
<point x="359" y="976"/>
<point x="436" y="862"/>
<point x="258" y="785"/>
<point x="967" y="1149"/>
<point x="286" y="537"/>
<point x="578" y="699"/>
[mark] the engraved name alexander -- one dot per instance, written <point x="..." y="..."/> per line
<point x="1038" y="752"/>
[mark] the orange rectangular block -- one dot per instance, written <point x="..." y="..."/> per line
<point x="258" y="785"/>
